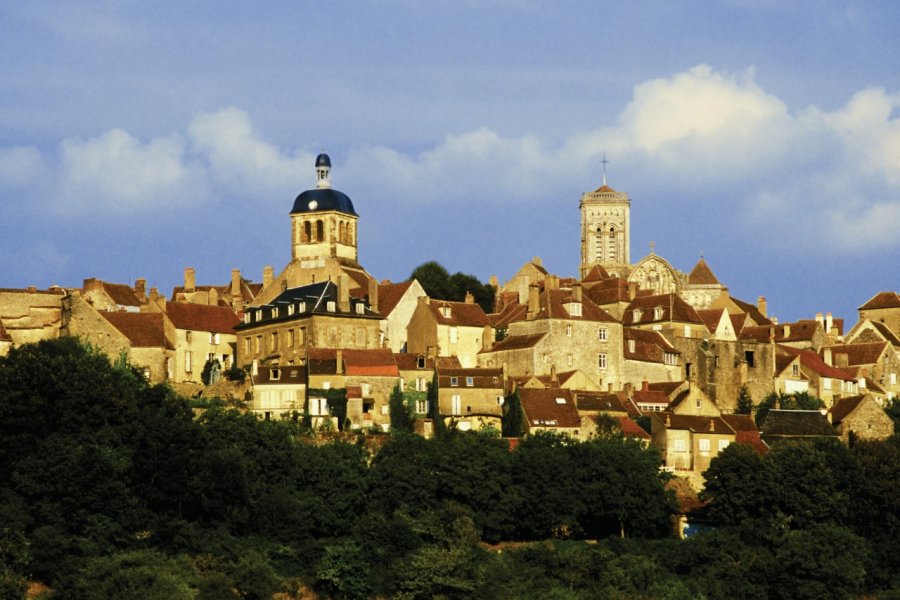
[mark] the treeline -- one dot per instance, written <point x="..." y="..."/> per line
<point x="112" y="488"/>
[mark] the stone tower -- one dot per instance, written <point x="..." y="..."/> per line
<point x="605" y="231"/>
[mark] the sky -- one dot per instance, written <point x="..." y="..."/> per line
<point x="139" y="138"/>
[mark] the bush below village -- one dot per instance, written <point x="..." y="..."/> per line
<point x="113" y="488"/>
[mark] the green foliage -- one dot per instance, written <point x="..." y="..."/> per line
<point x="344" y="572"/>
<point x="795" y="401"/>
<point x="402" y="415"/>
<point x="337" y="402"/>
<point x="511" y="420"/>
<point x="439" y="284"/>
<point x="212" y="370"/>
<point x="235" y="373"/>
<point x="434" y="408"/>
<point x="744" y="402"/>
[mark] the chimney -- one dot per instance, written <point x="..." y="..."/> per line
<point x="761" y="305"/>
<point x="154" y="294"/>
<point x="668" y="420"/>
<point x="842" y="360"/>
<point x="712" y="425"/>
<point x="189" y="279"/>
<point x="237" y="298"/>
<point x="632" y="290"/>
<point x="552" y="282"/>
<point x="820" y="320"/>
<point x="343" y="293"/>
<point x="92" y="284"/>
<point x="826" y="356"/>
<point x="534" y="302"/>
<point x="554" y="380"/>
<point x="628" y="388"/>
<point x="524" y="284"/>
<point x="487" y="338"/>
<point x="645" y="386"/>
<point x="373" y="294"/>
<point x="268" y="276"/>
<point x="339" y="362"/>
<point x="470" y="299"/>
<point x="787" y="330"/>
<point x="576" y="292"/>
<point x="829" y="322"/>
<point x="140" y="289"/>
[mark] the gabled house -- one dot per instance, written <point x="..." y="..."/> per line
<point x="754" y="314"/>
<point x="664" y="312"/>
<point x="790" y="377"/>
<point x="718" y="323"/>
<point x="471" y="397"/>
<point x="883" y="307"/>
<point x="202" y="334"/>
<point x="875" y="361"/>
<point x="103" y="295"/>
<point x="649" y="355"/>
<point x="444" y="328"/>
<point x="825" y="381"/>
<point x="860" y="418"/>
<point x="552" y="410"/>
<point x="144" y="337"/>
<point x="396" y="303"/>
<point x="688" y="443"/>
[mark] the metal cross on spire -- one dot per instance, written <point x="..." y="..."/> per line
<point x="604" y="162"/>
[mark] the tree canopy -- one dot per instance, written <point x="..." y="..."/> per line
<point x="438" y="283"/>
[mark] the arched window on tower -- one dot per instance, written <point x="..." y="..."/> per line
<point x="320" y="231"/>
<point x="307" y="232"/>
<point x="611" y="255"/>
<point x="342" y="232"/>
<point x="598" y="245"/>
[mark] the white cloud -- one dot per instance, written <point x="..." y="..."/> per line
<point x="117" y="173"/>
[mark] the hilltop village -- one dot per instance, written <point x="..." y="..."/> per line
<point x="666" y="356"/>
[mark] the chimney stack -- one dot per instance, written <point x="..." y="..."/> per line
<point x="712" y="425"/>
<point x="189" y="279"/>
<point x="787" y="330"/>
<point x="470" y="299"/>
<point x="829" y="322"/>
<point x="645" y="386"/>
<point x="577" y="292"/>
<point x="821" y="320"/>
<point x="373" y="294"/>
<point x="268" y="276"/>
<point x="554" y="380"/>
<point x="826" y="356"/>
<point x="534" y="302"/>
<point x="140" y="289"/>
<point x="343" y="293"/>
<point x="761" y="305"/>
<point x="213" y="297"/>
<point x="487" y="338"/>
<point x="632" y="290"/>
<point x="237" y="297"/>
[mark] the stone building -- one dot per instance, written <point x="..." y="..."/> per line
<point x="147" y="342"/>
<point x="471" y="397"/>
<point x="553" y="410"/>
<point x="444" y="328"/>
<point x="104" y="295"/>
<point x="605" y="230"/>
<point x="396" y="303"/>
<point x="277" y="391"/>
<point x="859" y="418"/>
<point x="237" y="294"/>
<point x="30" y="315"/>
<point x="883" y="307"/>
<point x="319" y="315"/>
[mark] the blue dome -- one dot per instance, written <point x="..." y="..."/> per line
<point x="323" y="160"/>
<point x="323" y="199"/>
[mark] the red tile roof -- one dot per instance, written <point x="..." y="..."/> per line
<point x="517" y="342"/>
<point x="631" y="429"/>
<point x="650" y="398"/>
<point x="695" y="423"/>
<point x="390" y="294"/>
<point x="702" y="275"/>
<point x="814" y="362"/>
<point x="461" y="313"/>
<point x="711" y="317"/>
<point x="859" y="354"/>
<point x="752" y="311"/>
<point x="379" y="362"/>
<point x="542" y="409"/>
<point x="649" y="346"/>
<point x="410" y="362"/>
<point x="844" y="407"/>
<point x="673" y="308"/>
<point x="740" y="422"/>
<point x="481" y="378"/>
<point x="143" y="330"/>
<point x="882" y="300"/>
<point x="597" y="273"/>
<point x="200" y="317"/>
<point x="121" y="294"/>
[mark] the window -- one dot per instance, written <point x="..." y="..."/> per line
<point x="688" y="367"/>
<point x="247" y="345"/>
<point x="575" y="309"/>
<point x="470" y="381"/>
<point x="723" y="444"/>
<point x="422" y="407"/>
<point x="213" y="338"/>
<point x="188" y="359"/>
<point x="687" y="331"/>
<point x="290" y="309"/>
<point x="893" y="379"/>
<point x="318" y="407"/>
<point x="275" y="374"/>
<point x="657" y="313"/>
<point x="274" y="312"/>
<point x="750" y="358"/>
<point x="569" y="360"/>
<point x="454" y="335"/>
<point x="360" y="308"/>
<point x="188" y="336"/>
<point x="420" y="384"/>
<point x="331" y="306"/>
<point x="246" y="317"/>
<point x="631" y="346"/>
<point x="703" y="444"/>
<point x="636" y="315"/>
<point x="274" y="340"/>
<point x="670" y="358"/>
<point x="698" y="403"/>
<point x="290" y="338"/>
<point x="795" y="370"/>
<point x="603" y="334"/>
<point x="560" y="400"/>
<point x="259" y="315"/>
<point x="601" y="360"/>
<point x="680" y="446"/>
<point x="301" y="307"/>
<point x="455" y="405"/>
<point x="568" y="330"/>
<point x="258" y="344"/>
<point x="826" y="383"/>
<point x="445" y="312"/>
<point x="366" y="390"/>
<point x="420" y="362"/>
<point x="454" y="381"/>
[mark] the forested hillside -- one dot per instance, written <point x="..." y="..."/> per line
<point x="112" y="488"/>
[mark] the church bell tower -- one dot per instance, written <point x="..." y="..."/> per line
<point x="605" y="230"/>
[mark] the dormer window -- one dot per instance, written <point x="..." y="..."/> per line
<point x="445" y="312"/>
<point x="560" y="400"/>
<point x="636" y="315"/>
<point x="470" y="381"/>
<point x="454" y="381"/>
<point x="574" y="309"/>
<point x="360" y="308"/>
<point x="657" y="313"/>
<point x="274" y="312"/>
<point x="331" y="306"/>
<point x="631" y="345"/>
<point x="420" y="362"/>
<point x="301" y="307"/>
<point x="259" y="315"/>
<point x="290" y="309"/>
<point x="246" y="317"/>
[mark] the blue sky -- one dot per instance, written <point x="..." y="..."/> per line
<point x="137" y="138"/>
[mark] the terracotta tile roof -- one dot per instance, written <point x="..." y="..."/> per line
<point x="650" y="398"/>
<point x="740" y="422"/>
<point x="882" y="300"/>
<point x="886" y="333"/>
<point x="609" y="291"/>
<point x="481" y="378"/>
<point x="799" y="331"/>
<point x="379" y="362"/>
<point x="702" y="275"/>
<point x="143" y="330"/>
<point x="631" y="429"/>
<point x="321" y="361"/>
<point x="512" y="311"/>
<point x="553" y="306"/>
<point x="517" y="342"/>
<point x="597" y="273"/>
<point x="666" y="387"/>
<point x="410" y="362"/>
<point x="649" y="346"/>
<point x="814" y="362"/>
<point x="781" y="424"/>
<point x="844" y="407"/>
<point x="695" y="423"/>
<point x="602" y="402"/>
<point x="751" y="310"/>
<point x="390" y="294"/>
<point x="752" y="439"/>
<point x="859" y="354"/>
<point x="711" y="317"/>
<point x="461" y="313"/>
<point x="738" y="321"/>
<point x="121" y="294"/>
<point x="672" y="308"/>
<point x="543" y="409"/>
<point x="874" y="388"/>
<point x="782" y="362"/>
<point x="200" y="317"/>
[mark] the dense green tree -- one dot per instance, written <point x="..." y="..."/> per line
<point x="439" y="284"/>
<point x="737" y="486"/>
<point x="744" y="402"/>
<point x="511" y="421"/>
<point x="795" y="401"/>
<point x="402" y="416"/>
